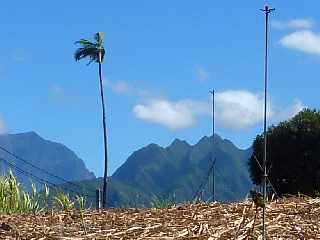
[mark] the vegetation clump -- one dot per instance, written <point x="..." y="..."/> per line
<point x="293" y="155"/>
<point x="13" y="199"/>
<point x="162" y="202"/>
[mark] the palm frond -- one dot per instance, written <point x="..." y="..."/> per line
<point x="90" y="50"/>
<point x="99" y="37"/>
<point x="84" y="42"/>
<point x="85" y="52"/>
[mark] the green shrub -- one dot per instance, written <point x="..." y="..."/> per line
<point x="162" y="202"/>
<point x="63" y="202"/>
<point x="13" y="199"/>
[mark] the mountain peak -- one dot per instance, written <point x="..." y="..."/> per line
<point x="52" y="156"/>
<point x="177" y="142"/>
<point x="152" y="145"/>
<point x="208" y="139"/>
<point x="181" y="167"/>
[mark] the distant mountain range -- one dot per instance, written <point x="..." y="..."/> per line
<point x="50" y="156"/>
<point x="174" y="172"/>
<point x="177" y="171"/>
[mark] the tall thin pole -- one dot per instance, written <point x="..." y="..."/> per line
<point x="98" y="199"/>
<point x="213" y="152"/>
<point x="267" y="11"/>
<point x="105" y="140"/>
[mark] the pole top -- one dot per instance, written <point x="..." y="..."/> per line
<point x="267" y="9"/>
<point x="212" y="91"/>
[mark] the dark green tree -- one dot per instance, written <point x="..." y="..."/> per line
<point x="293" y="150"/>
<point x="95" y="52"/>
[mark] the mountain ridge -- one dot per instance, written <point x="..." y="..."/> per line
<point x="31" y="150"/>
<point x="178" y="168"/>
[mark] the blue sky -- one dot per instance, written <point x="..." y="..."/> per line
<point x="162" y="59"/>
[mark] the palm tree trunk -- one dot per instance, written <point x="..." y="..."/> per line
<point x="104" y="194"/>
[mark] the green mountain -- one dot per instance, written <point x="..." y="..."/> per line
<point x="177" y="171"/>
<point x="43" y="154"/>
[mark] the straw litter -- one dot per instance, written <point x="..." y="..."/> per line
<point x="289" y="218"/>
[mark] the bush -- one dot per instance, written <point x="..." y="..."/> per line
<point x="13" y="199"/>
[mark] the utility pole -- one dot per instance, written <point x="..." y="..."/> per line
<point x="267" y="11"/>
<point x="98" y="199"/>
<point x="212" y="153"/>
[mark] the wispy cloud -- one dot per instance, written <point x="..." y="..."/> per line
<point x="235" y="110"/>
<point x="290" y="110"/>
<point x="201" y="74"/>
<point x="120" y="87"/>
<point x="125" y="88"/>
<point x="304" y="41"/>
<point x="61" y="96"/>
<point x="293" y="24"/>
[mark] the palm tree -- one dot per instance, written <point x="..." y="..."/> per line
<point x="95" y="52"/>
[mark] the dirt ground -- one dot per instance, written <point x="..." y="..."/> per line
<point x="291" y="218"/>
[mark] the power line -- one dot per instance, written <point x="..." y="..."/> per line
<point x="40" y="169"/>
<point x="41" y="180"/>
<point x="204" y="182"/>
<point x="226" y="182"/>
<point x="268" y="179"/>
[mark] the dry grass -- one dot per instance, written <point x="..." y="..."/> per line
<point x="291" y="218"/>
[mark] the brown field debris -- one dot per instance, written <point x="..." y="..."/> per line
<point x="290" y="218"/>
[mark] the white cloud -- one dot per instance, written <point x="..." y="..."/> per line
<point x="304" y="41"/>
<point x="240" y="109"/>
<point x="201" y="74"/>
<point x="234" y="110"/>
<point x="293" y="24"/>
<point x="295" y="108"/>
<point x="290" y="111"/>
<point x="173" y="115"/>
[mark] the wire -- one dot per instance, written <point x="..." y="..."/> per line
<point x="41" y="180"/>
<point x="273" y="189"/>
<point x="40" y="169"/>
<point x="226" y="183"/>
<point x="204" y="182"/>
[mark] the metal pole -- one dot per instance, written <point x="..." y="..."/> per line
<point x="98" y="199"/>
<point x="212" y="154"/>
<point x="267" y="11"/>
